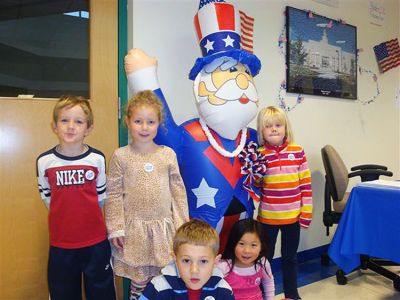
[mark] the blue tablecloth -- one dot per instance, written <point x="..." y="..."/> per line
<point x="369" y="225"/>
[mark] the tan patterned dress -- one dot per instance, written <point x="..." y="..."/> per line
<point x="146" y="202"/>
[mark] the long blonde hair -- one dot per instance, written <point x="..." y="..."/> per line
<point x="272" y="114"/>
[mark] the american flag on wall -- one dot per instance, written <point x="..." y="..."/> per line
<point x="246" y="32"/>
<point x="388" y="55"/>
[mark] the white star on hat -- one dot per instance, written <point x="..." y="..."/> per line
<point x="228" y="41"/>
<point x="205" y="194"/>
<point x="209" y="45"/>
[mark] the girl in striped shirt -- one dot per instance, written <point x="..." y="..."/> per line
<point x="286" y="200"/>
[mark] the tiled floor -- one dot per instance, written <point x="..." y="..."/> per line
<point x="319" y="283"/>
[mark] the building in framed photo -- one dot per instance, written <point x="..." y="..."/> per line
<point x="321" y="55"/>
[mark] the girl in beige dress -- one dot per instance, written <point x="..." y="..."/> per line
<point x="146" y="198"/>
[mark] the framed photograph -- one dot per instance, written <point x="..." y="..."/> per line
<point x="321" y="55"/>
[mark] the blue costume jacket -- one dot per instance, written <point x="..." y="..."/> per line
<point x="212" y="181"/>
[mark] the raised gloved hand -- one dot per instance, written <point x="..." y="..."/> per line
<point x="141" y="71"/>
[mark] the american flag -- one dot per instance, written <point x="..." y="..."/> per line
<point x="388" y="55"/>
<point x="246" y="32"/>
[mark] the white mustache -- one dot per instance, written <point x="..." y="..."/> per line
<point x="230" y="91"/>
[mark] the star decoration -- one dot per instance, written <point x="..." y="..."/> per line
<point x="209" y="45"/>
<point x="228" y="41"/>
<point x="205" y="194"/>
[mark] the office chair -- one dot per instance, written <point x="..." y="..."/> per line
<point x="335" y="198"/>
<point x="337" y="180"/>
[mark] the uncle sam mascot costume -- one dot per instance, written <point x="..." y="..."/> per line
<point x="226" y="97"/>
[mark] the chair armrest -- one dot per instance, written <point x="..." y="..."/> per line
<point x="370" y="174"/>
<point x="363" y="167"/>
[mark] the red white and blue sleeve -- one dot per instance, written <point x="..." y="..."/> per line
<point x="43" y="183"/>
<point x="101" y="181"/>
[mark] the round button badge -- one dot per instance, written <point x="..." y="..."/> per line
<point x="89" y="175"/>
<point x="148" y="167"/>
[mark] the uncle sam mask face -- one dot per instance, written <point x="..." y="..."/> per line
<point x="226" y="96"/>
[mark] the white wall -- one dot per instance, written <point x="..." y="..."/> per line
<point x="360" y="133"/>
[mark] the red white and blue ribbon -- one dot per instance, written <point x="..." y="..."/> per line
<point x="254" y="167"/>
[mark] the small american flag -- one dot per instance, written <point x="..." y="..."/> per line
<point x="388" y="55"/>
<point x="246" y="32"/>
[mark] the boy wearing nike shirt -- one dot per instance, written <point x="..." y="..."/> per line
<point x="72" y="184"/>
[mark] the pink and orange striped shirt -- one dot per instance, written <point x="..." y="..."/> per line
<point x="286" y="187"/>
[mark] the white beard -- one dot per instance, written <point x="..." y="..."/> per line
<point x="228" y="119"/>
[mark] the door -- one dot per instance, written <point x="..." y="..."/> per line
<point x="25" y="133"/>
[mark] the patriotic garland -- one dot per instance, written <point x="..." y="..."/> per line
<point x="374" y="77"/>
<point x="281" y="98"/>
<point x="254" y="167"/>
<point x="282" y="88"/>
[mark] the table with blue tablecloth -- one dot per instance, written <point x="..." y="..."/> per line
<point x="370" y="225"/>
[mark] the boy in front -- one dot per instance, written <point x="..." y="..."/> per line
<point x="72" y="184"/>
<point x="192" y="275"/>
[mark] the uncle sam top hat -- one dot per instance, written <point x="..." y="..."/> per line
<point x="218" y="28"/>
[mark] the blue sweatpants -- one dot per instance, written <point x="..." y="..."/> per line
<point x="66" y="267"/>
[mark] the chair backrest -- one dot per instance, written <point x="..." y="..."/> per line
<point x="337" y="176"/>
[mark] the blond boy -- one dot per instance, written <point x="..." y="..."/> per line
<point x="72" y="184"/>
<point x="192" y="275"/>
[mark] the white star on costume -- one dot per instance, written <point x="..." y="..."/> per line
<point x="209" y="45"/>
<point x="228" y="41"/>
<point x="205" y="194"/>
